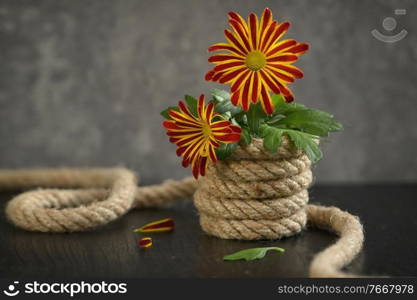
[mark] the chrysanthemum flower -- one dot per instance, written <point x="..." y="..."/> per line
<point x="197" y="137"/>
<point x="256" y="62"/>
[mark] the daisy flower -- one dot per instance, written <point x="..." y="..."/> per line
<point x="198" y="136"/>
<point x="256" y="61"/>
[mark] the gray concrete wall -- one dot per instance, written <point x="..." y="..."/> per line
<point x="82" y="82"/>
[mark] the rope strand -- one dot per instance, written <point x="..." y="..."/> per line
<point x="95" y="197"/>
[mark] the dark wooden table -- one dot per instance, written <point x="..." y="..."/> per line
<point x="387" y="211"/>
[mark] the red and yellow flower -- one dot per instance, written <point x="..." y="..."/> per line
<point x="198" y="136"/>
<point x="256" y="62"/>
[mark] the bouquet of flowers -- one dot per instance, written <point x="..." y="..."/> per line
<point x="257" y="63"/>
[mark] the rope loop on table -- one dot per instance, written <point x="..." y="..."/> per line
<point x="83" y="199"/>
<point x="106" y="195"/>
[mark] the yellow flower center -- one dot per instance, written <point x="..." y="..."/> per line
<point x="206" y="130"/>
<point x="255" y="60"/>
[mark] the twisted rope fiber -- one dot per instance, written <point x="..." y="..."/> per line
<point x="92" y="197"/>
<point x="257" y="195"/>
<point x="266" y="207"/>
<point x="107" y="195"/>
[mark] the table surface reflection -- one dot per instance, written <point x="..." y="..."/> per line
<point x="387" y="211"/>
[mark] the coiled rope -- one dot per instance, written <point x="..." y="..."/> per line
<point x="259" y="205"/>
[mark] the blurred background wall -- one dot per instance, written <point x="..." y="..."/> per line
<point x="82" y="82"/>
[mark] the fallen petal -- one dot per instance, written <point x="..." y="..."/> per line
<point x="157" y="226"/>
<point x="145" y="242"/>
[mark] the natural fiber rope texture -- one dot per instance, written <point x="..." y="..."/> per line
<point x="328" y="262"/>
<point x="255" y="195"/>
<point x="107" y="194"/>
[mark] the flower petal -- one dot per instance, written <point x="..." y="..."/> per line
<point x="185" y="162"/>
<point x="209" y="75"/>
<point x="286" y="92"/>
<point x="200" y="107"/>
<point x="219" y="124"/>
<point x="180" y="116"/>
<point x="230" y="65"/>
<point x="235" y="129"/>
<point x="265" y="21"/>
<point x="217" y="76"/>
<point x="237" y="83"/>
<point x="196" y="168"/>
<point x="186" y="112"/>
<point x="280" y="30"/>
<point x="169" y="124"/>
<point x="241" y="35"/>
<point x="245" y="94"/>
<point x="299" y="48"/>
<point x="232" y="40"/>
<point x="266" y="101"/>
<point x="203" y="166"/>
<point x="229" y="138"/>
<point x="268" y="34"/>
<point x="188" y="140"/>
<point x="223" y="46"/>
<point x="282" y="58"/>
<point x="212" y="153"/>
<point x="256" y="88"/>
<point x="223" y="57"/>
<point x="294" y="71"/>
<point x="235" y="16"/>
<point x="281" y="47"/>
<point x="156" y="226"/>
<point x="230" y="75"/>
<point x="209" y="111"/>
<point x="278" y="74"/>
<point x="253" y="30"/>
<point x="145" y="242"/>
<point x="182" y="133"/>
<point x="269" y="83"/>
<point x="235" y="99"/>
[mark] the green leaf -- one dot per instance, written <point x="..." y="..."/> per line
<point x="223" y="104"/>
<point x="305" y="142"/>
<point x="311" y="121"/>
<point x="251" y="254"/>
<point x="283" y="108"/>
<point x="277" y="100"/>
<point x="299" y="117"/>
<point x="165" y="114"/>
<point x="226" y="107"/>
<point x="245" y="137"/>
<point x="255" y="116"/>
<point x="272" y="137"/>
<point x="240" y="118"/>
<point x="301" y="140"/>
<point x="225" y="150"/>
<point x="191" y="104"/>
<point x="220" y="95"/>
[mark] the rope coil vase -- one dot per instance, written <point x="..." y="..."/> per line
<point x="252" y="195"/>
<point x="255" y="194"/>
